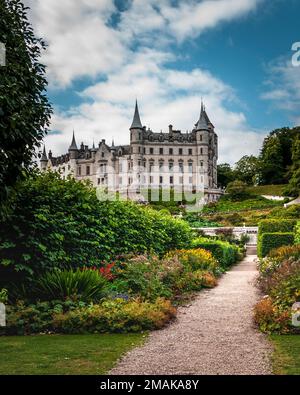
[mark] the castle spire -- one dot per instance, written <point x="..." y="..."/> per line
<point x="44" y="157"/>
<point x="136" y="123"/>
<point x="73" y="145"/>
<point x="203" y="122"/>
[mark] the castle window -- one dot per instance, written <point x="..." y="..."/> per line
<point x="161" y="151"/>
<point x="79" y="171"/>
<point x="171" y="166"/>
<point x="151" y="179"/>
<point x="102" y="154"/>
<point x="139" y="150"/>
<point x="201" y="151"/>
<point x="151" y="151"/>
<point x="180" y="151"/>
<point x="171" y="151"/>
<point x="181" y="169"/>
<point x="201" y="137"/>
<point x="120" y="168"/>
<point x="171" y="180"/>
<point x="161" y="164"/>
<point x="190" y="151"/>
<point x="88" y="170"/>
<point x="161" y="179"/>
<point x="144" y="150"/>
<point x="151" y="165"/>
<point x="190" y="167"/>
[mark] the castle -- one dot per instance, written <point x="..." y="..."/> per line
<point x="172" y="160"/>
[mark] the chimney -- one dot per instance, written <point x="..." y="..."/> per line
<point x="170" y="129"/>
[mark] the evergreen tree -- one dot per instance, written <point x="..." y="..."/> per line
<point x="24" y="107"/>
<point x="293" y="188"/>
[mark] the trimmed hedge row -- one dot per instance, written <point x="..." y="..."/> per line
<point x="226" y="253"/>
<point x="270" y="241"/>
<point x="61" y="223"/>
<point x="275" y="226"/>
<point x="273" y="233"/>
<point x="297" y="237"/>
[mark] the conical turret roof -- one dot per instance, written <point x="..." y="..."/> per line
<point x="44" y="157"/>
<point x="136" y="123"/>
<point x="204" y="121"/>
<point x="73" y="145"/>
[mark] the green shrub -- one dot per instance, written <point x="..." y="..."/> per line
<point x="274" y="226"/>
<point x="3" y="295"/>
<point x="61" y="223"/>
<point x="68" y="317"/>
<point x="26" y="319"/>
<point x="270" y="241"/>
<point x="116" y="316"/>
<point x="84" y="285"/>
<point x="297" y="236"/>
<point x="225" y="253"/>
<point x="280" y="279"/>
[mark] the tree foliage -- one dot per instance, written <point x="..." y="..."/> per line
<point x="247" y="169"/>
<point x="24" y="107"/>
<point x="225" y="175"/>
<point x="276" y="156"/>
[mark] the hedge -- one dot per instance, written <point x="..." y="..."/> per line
<point x="61" y="223"/>
<point x="274" y="226"/>
<point x="270" y="241"/>
<point x="297" y="237"/>
<point x="226" y="253"/>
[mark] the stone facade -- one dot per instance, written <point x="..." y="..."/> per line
<point x="172" y="160"/>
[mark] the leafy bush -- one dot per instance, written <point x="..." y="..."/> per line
<point x="274" y="226"/>
<point x="196" y="259"/>
<point x="297" y="236"/>
<point x="23" y="319"/>
<point x="116" y="316"/>
<point x="84" y="285"/>
<point x="280" y="279"/>
<point x="3" y="295"/>
<point x="270" y="241"/>
<point x="68" y="317"/>
<point x="61" y="223"/>
<point x="142" y="276"/>
<point x="225" y="253"/>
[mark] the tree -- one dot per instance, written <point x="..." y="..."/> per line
<point x="236" y="190"/>
<point x="225" y="175"/>
<point x="293" y="188"/>
<point x="24" y="108"/>
<point x="247" y="169"/>
<point x="276" y="156"/>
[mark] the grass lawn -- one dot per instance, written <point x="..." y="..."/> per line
<point x="286" y="357"/>
<point x="274" y="190"/>
<point x="64" y="354"/>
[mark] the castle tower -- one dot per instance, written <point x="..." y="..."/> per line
<point x="44" y="160"/>
<point x="73" y="150"/>
<point x="136" y="142"/>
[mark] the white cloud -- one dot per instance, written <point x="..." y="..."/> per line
<point x="131" y="57"/>
<point x="282" y="88"/>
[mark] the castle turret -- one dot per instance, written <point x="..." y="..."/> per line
<point x="44" y="160"/>
<point x="136" y="128"/>
<point x="73" y="150"/>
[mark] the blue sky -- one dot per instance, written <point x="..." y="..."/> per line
<point x="236" y="54"/>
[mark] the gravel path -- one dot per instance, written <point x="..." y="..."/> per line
<point x="213" y="335"/>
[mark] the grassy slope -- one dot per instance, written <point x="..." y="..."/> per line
<point x="274" y="190"/>
<point x="286" y="357"/>
<point x="63" y="354"/>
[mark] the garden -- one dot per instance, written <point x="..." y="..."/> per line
<point x="278" y="313"/>
<point x="73" y="265"/>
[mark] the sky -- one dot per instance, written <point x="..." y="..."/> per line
<point x="236" y="55"/>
